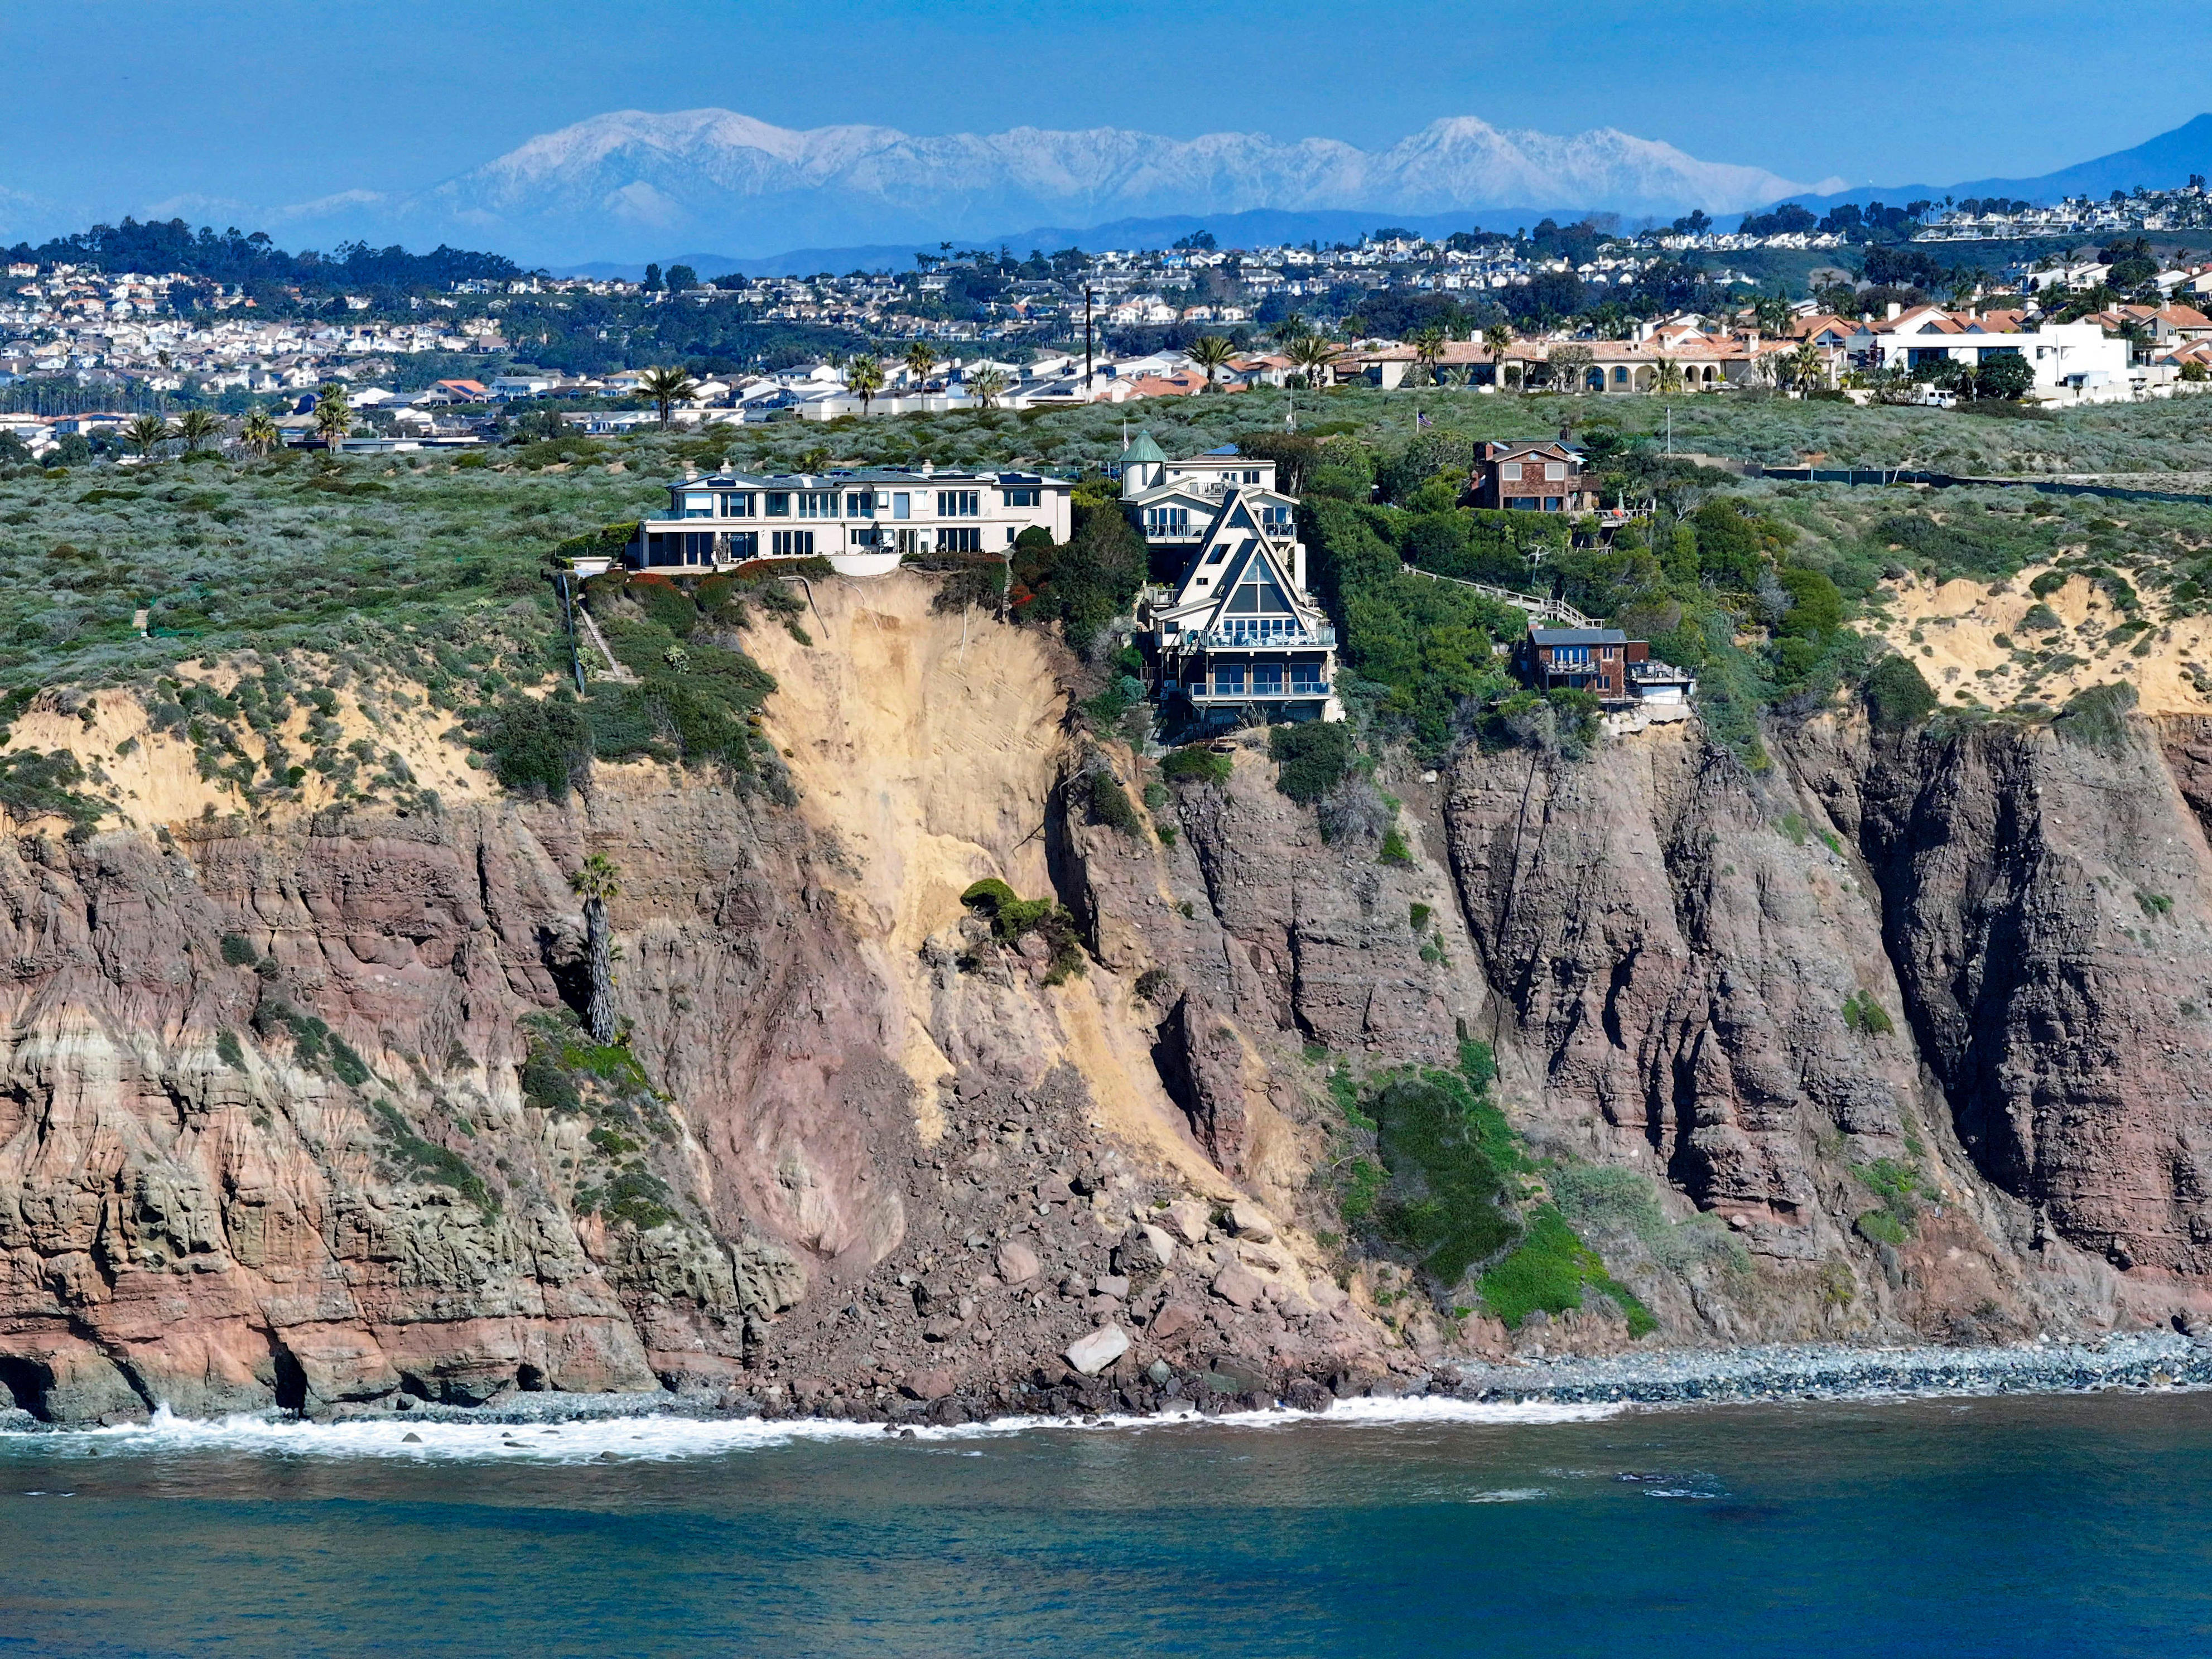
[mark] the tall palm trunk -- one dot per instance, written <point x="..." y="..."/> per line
<point x="599" y="1010"/>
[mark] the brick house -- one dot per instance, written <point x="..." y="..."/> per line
<point x="1531" y="477"/>
<point x="1604" y="662"/>
<point x="1594" y="660"/>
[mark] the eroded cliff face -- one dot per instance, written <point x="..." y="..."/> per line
<point x="268" y="1133"/>
<point x="2046" y="903"/>
<point x="266" y="1139"/>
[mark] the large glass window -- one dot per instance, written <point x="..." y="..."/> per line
<point x="967" y="539"/>
<point x="698" y="507"/>
<point x="1305" y="679"/>
<point x="861" y="504"/>
<point x="794" y="544"/>
<point x="1229" y="679"/>
<point x="779" y="503"/>
<point x="959" y="503"/>
<point x="1266" y="679"/>
<point x="744" y="543"/>
<point x="1024" y="497"/>
<point x="902" y="505"/>
<point x="817" y="503"/>
<point x="740" y="504"/>
<point x="1257" y="594"/>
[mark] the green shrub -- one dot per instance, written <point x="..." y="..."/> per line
<point x="635" y="1195"/>
<point x="541" y="748"/>
<point x="1156" y="986"/>
<point x="1011" y="917"/>
<point x="1109" y="804"/>
<point x="1862" y="1013"/>
<point x="1196" y="764"/>
<point x="352" y="1070"/>
<point x="427" y="1161"/>
<point x="238" y="951"/>
<point x="1550" y="1270"/>
<point x="1395" y="851"/>
<point x="227" y="1050"/>
<point x="2096" y="717"/>
<point x="1417" y="917"/>
<point x="36" y="785"/>
<point x="1898" y="695"/>
<point x="1313" y="757"/>
<point x="547" y="1086"/>
<point x="1447" y="1151"/>
<point x="1880" y="1227"/>
<point x="1105" y="710"/>
<point x="1598" y="1199"/>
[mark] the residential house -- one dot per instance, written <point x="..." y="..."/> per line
<point x="2078" y="357"/>
<point x="863" y="521"/>
<point x="1230" y="635"/>
<point x="1604" y="662"/>
<point x="1542" y="476"/>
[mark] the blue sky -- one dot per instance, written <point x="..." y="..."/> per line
<point x="121" y="104"/>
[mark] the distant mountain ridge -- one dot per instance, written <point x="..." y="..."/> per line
<point x="2161" y="163"/>
<point x="633" y="181"/>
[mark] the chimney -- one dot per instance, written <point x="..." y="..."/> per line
<point x="1893" y="309"/>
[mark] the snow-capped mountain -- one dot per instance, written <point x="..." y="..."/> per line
<point x="633" y="183"/>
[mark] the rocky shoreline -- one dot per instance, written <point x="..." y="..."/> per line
<point x="1808" y="1372"/>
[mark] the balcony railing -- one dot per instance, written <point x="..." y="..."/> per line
<point x="1242" y="635"/>
<point x="1251" y="693"/>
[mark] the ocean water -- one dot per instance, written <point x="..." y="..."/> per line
<point x="2001" y="1526"/>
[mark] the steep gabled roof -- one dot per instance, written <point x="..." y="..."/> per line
<point x="1232" y="541"/>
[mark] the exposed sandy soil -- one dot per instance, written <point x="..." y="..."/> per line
<point x="927" y="744"/>
<point x="158" y="782"/>
<point x="1951" y="631"/>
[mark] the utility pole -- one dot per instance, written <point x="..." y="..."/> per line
<point x="1086" y="340"/>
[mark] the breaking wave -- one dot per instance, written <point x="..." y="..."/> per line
<point x="667" y="1438"/>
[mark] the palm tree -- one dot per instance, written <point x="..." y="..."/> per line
<point x="1428" y="350"/>
<point x="985" y="384"/>
<point x="197" y="426"/>
<point x="333" y="417"/>
<point x="864" y="377"/>
<point x="666" y="387"/>
<point x="142" y="432"/>
<point x="1808" y="366"/>
<point x="1314" y="356"/>
<point x="1497" y="339"/>
<point x="600" y="880"/>
<point x="1668" y="379"/>
<point x="920" y="358"/>
<point x="1771" y="313"/>
<point x="1292" y="329"/>
<point x="259" y="432"/>
<point x="1209" y="352"/>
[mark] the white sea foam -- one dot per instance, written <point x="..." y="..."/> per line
<point x="660" y="1439"/>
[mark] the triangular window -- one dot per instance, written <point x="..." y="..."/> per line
<point x="1259" y="595"/>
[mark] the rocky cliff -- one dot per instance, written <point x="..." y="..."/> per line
<point x="1901" y="1035"/>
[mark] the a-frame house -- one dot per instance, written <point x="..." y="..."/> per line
<point x="1232" y="637"/>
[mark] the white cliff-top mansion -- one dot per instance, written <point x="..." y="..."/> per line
<point x="864" y="522"/>
<point x="1232" y="637"/>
